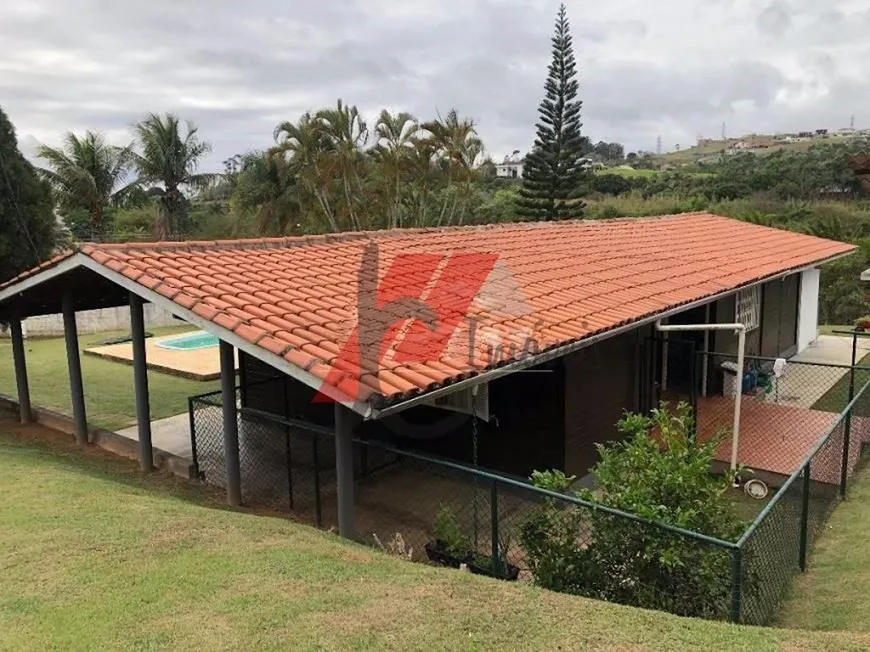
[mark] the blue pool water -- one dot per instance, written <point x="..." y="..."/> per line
<point x="190" y="342"/>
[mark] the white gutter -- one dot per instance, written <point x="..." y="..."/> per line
<point x="740" y="329"/>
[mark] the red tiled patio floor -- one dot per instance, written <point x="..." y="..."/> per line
<point x="773" y="437"/>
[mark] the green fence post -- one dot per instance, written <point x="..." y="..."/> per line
<point x="847" y="431"/>
<point x="805" y="517"/>
<point x="493" y="504"/>
<point x="736" y="583"/>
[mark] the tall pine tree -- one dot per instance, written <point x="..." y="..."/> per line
<point x="553" y="176"/>
<point x="27" y="224"/>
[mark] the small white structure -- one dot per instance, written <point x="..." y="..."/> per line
<point x="808" y="309"/>
<point x="511" y="167"/>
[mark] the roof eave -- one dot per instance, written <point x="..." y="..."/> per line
<point x="79" y="259"/>
<point x="571" y="347"/>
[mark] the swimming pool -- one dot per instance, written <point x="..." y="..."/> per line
<point x="189" y="342"/>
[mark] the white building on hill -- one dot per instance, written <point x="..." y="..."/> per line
<point x="511" y="167"/>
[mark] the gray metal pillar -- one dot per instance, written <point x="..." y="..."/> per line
<point x="140" y="380"/>
<point x="345" y="420"/>
<point x="76" y="387"/>
<point x="24" y="411"/>
<point x="231" y="424"/>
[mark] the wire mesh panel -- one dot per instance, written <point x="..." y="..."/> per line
<point x="283" y="463"/>
<point x="434" y="510"/>
<point x="420" y="501"/>
<point x="824" y="480"/>
<point x="573" y="547"/>
<point x="207" y="438"/>
<point x="770" y="556"/>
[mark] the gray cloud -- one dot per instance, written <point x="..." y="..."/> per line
<point x="775" y="19"/>
<point x="675" y="69"/>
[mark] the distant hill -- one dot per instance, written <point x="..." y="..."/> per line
<point x="710" y="151"/>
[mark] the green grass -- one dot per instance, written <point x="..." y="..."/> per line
<point x="623" y="172"/>
<point x="837" y="398"/>
<point x="746" y="507"/>
<point x="96" y="556"/>
<point x="693" y="153"/>
<point x="108" y="385"/>
<point x="833" y="593"/>
<point x="828" y="329"/>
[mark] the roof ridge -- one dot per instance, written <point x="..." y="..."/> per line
<point x="351" y="236"/>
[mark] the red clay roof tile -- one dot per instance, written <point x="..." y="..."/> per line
<point x="555" y="282"/>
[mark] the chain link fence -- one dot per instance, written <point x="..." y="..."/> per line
<point x="433" y="510"/>
<point x="777" y="544"/>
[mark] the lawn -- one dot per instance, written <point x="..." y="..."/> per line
<point x="108" y="385"/>
<point x="833" y="594"/>
<point x="828" y="329"/>
<point x="97" y="556"/>
<point x="837" y="397"/>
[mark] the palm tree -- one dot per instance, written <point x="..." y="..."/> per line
<point x="170" y="158"/>
<point x="458" y="147"/>
<point x="346" y="134"/>
<point x="396" y="142"/>
<point x="88" y="173"/>
<point x="265" y="190"/>
<point x="302" y="150"/>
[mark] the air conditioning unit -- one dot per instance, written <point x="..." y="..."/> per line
<point x="471" y="400"/>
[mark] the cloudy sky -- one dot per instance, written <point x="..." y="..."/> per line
<point x="677" y="68"/>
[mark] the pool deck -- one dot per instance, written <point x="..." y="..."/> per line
<point x="196" y="364"/>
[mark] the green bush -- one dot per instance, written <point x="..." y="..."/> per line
<point x="661" y="477"/>
<point x="447" y="529"/>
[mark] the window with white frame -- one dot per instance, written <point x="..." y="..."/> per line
<point x="748" y="309"/>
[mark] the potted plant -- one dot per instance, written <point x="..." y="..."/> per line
<point x="452" y="548"/>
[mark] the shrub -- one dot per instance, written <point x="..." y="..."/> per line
<point x="446" y="529"/>
<point x="659" y="472"/>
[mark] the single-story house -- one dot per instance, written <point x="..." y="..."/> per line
<point x="537" y="329"/>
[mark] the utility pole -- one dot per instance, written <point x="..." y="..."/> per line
<point x="659" y="146"/>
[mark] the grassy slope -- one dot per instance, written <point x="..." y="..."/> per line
<point x="833" y="594"/>
<point x="108" y="385"/>
<point x="691" y="153"/>
<point x="95" y="556"/>
<point x="837" y="397"/>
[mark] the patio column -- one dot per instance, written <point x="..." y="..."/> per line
<point x="24" y="411"/>
<point x="140" y="380"/>
<point x="231" y="424"/>
<point x="76" y="388"/>
<point x="345" y="421"/>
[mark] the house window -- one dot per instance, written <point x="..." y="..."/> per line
<point x="748" y="309"/>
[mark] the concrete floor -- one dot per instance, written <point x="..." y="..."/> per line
<point x="171" y="435"/>
<point x="833" y="349"/>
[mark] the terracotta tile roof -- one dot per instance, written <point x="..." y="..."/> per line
<point x="532" y="285"/>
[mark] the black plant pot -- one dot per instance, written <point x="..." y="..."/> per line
<point x="438" y="552"/>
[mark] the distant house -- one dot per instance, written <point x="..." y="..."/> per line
<point x="511" y="167"/>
